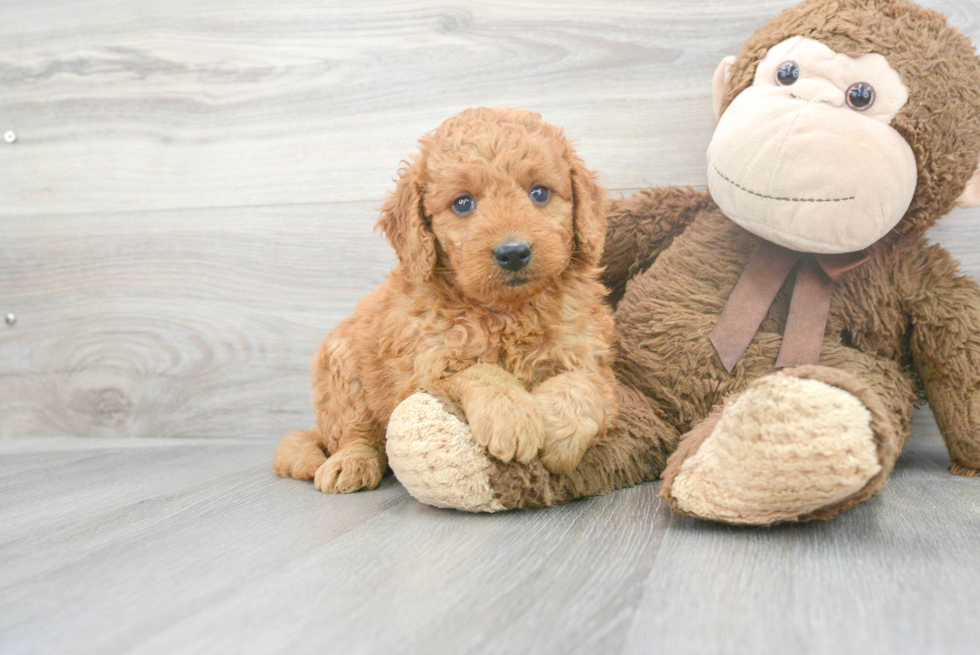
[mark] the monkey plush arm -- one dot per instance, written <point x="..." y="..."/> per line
<point x="641" y="227"/>
<point x="945" y="310"/>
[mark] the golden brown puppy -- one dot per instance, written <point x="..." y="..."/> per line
<point x="494" y="305"/>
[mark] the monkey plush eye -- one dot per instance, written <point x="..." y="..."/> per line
<point x="860" y="96"/>
<point x="788" y="73"/>
<point x="464" y="205"/>
<point x="540" y="195"/>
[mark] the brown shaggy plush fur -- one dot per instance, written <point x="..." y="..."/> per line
<point x="526" y="355"/>
<point x="903" y="324"/>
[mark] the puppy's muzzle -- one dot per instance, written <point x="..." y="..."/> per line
<point x="512" y="255"/>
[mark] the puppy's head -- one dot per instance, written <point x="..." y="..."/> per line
<point x="499" y="202"/>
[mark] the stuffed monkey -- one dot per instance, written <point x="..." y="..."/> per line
<point x="774" y="333"/>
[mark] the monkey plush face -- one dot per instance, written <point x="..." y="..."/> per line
<point x="814" y="111"/>
<point x="806" y="156"/>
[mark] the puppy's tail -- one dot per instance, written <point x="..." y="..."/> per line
<point x="299" y="455"/>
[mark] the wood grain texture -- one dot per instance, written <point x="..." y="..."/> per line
<point x="140" y="106"/>
<point x="188" y="207"/>
<point x="231" y="103"/>
<point x="198" y="547"/>
<point x="178" y="547"/>
<point x="897" y="574"/>
<point x="176" y="324"/>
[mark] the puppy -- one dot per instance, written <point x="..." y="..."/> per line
<point x="494" y="305"/>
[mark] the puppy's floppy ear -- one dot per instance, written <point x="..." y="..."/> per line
<point x="404" y="222"/>
<point x="589" y="202"/>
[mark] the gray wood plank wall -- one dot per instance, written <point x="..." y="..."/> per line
<point x="188" y="206"/>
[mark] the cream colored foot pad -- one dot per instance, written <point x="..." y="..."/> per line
<point x="787" y="447"/>
<point x="436" y="459"/>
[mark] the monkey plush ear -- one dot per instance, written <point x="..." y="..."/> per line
<point x="720" y="83"/>
<point x="403" y="222"/>
<point x="971" y="197"/>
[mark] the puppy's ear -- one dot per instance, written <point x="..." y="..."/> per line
<point x="405" y="225"/>
<point x="589" y="201"/>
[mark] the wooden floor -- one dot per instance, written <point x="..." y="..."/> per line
<point x="173" y="546"/>
<point x="187" y="209"/>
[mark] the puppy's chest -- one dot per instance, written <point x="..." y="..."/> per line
<point x="532" y="355"/>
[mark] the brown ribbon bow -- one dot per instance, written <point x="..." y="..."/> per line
<point x="809" y="307"/>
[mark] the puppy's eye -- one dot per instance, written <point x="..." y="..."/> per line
<point x="464" y="205"/>
<point x="540" y="195"/>
<point x="788" y="73"/>
<point x="860" y="96"/>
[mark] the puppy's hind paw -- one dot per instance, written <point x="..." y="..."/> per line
<point x="352" y="468"/>
<point x="298" y="455"/>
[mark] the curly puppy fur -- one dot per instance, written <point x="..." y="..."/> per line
<point x="524" y="354"/>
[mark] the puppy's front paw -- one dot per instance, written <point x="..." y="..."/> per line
<point x="508" y="424"/>
<point x="574" y="415"/>
<point x="352" y="468"/>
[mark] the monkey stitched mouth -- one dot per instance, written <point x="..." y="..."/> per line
<point x="762" y="195"/>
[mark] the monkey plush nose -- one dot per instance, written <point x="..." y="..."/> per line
<point x="512" y="256"/>
<point x="813" y="91"/>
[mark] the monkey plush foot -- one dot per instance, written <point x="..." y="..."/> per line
<point x="434" y="456"/>
<point x="792" y="447"/>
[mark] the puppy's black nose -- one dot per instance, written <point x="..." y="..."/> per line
<point x="513" y="255"/>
